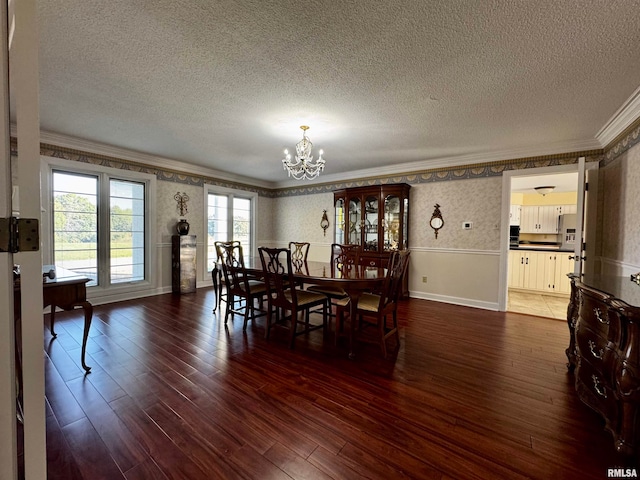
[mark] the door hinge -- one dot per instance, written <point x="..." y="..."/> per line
<point x="19" y="235"/>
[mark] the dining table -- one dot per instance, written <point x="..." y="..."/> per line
<point x="354" y="280"/>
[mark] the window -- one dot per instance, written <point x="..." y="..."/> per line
<point x="75" y="223"/>
<point x="100" y="223"/>
<point x="230" y="216"/>
<point x="126" y="242"/>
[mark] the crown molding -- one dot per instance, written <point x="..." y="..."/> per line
<point x="392" y="170"/>
<point x="96" y="148"/>
<point x="398" y="169"/>
<point x="621" y="120"/>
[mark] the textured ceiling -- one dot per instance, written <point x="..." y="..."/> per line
<point x="226" y="84"/>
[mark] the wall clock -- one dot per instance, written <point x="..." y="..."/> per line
<point x="436" y="221"/>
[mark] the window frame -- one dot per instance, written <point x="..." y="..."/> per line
<point x="230" y="193"/>
<point x="105" y="288"/>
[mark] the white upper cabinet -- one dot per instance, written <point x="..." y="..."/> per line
<point x="539" y="219"/>
<point x="565" y="209"/>
<point x="514" y="214"/>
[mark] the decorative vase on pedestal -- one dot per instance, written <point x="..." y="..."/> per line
<point x="182" y="227"/>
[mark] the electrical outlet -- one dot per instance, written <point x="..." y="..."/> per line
<point x="424" y="279"/>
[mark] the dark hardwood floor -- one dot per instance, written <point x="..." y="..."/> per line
<point x="174" y="394"/>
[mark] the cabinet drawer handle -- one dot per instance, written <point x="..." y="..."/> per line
<point x="598" y="313"/>
<point x="598" y="388"/>
<point x="592" y="347"/>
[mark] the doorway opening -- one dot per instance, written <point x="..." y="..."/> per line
<point x="536" y="252"/>
<point x="542" y="208"/>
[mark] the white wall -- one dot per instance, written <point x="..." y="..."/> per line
<point x="297" y="218"/>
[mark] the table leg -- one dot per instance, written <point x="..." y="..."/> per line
<point x="88" y="314"/>
<point x="353" y="309"/>
<point x="52" y="318"/>
<point x="217" y="286"/>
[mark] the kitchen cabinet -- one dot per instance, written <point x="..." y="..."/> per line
<point x="514" y="214"/>
<point x="540" y="271"/>
<point x="557" y="266"/>
<point x="566" y="209"/>
<point x="539" y="219"/>
<point x="526" y="269"/>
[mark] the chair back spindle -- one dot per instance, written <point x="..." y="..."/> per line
<point x="299" y="254"/>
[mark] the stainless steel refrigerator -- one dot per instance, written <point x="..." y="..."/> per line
<point x="567" y="229"/>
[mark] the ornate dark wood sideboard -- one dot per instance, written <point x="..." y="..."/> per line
<point x="604" y="352"/>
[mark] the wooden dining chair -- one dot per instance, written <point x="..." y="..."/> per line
<point x="343" y="256"/>
<point x="374" y="308"/>
<point x="217" y="273"/>
<point x="299" y="254"/>
<point x="283" y="296"/>
<point x="238" y="283"/>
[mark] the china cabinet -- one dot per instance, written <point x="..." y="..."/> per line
<point x="375" y="217"/>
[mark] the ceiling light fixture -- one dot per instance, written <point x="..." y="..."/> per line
<point x="303" y="166"/>
<point x="544" y="190"/>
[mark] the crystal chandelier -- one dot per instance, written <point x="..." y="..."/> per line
<point x="303" y="166"/>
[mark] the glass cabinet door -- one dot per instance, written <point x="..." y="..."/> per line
<point x="370" y="224"/>
<point x="392" y="222"/>
<point x="376" y="218"/>
<point x="339" y="221"/>
<point x="355" y="221"/>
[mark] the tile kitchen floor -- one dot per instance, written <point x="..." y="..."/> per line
<point x="538" y="304"/>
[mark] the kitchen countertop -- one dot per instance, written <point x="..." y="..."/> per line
<point x="539" y="248"/>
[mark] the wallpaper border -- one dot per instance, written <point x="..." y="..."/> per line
<point x="627" y="139"/>
<point x="477" y="170"/>
<point x="163" y="174"/>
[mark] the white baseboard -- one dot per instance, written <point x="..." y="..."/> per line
<point x="466" y="302"/>
<point x="610" y="266"/>
<point x="124" y="295"/>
